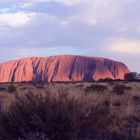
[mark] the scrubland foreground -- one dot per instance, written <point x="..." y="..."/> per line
<point x="70" y="111"/>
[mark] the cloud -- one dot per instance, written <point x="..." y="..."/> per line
<point x="33" y="51"/>
<point x="107" y="28"/>
<point x="125" y="46"/>
<point x="65" y="2"/>
<point x="4" y="10"/>
<point x="25" y="4"/>
<point x="68" y="2"/>
<point x="15" y="19"/>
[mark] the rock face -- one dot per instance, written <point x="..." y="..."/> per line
<point x="61" y="68"/>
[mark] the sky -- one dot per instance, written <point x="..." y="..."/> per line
<point x="104" y="28"/>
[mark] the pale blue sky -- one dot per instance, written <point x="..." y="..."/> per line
<point x="107" y="28"/>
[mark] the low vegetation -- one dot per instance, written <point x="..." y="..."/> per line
<point x="96" y="88"/>
<point x="120" y="89"/>
<point x="67" y="111"/>
<point x="132" y="76"/>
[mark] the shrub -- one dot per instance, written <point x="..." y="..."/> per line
<point x="11" y="89"/>
<point x="132" y="76"/>
<point x="117" y="103"/>
<point x="106" y="103"/>
<point x="120" y="89"/>
<point x="33" y="116"/>
<point x="96" y="88"/>
<point x="129" y="127"/>
<point x="106" y="80"/>
<point x="79" y="86"/>
<point x="2" y="89"/>
<point x="136" y="100"/>
<point x="66" y="113"/>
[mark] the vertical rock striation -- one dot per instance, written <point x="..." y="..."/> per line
<point x="61" y="68"/>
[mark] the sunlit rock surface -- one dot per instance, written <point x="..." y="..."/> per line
<point x="61" y="68"/>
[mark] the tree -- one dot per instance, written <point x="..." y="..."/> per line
<point x="138" y="76"/>
<point x="131" y="76"/>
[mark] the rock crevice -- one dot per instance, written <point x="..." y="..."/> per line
<point x="61" y="68"/>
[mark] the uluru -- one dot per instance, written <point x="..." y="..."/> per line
<point x="61" y="68"/>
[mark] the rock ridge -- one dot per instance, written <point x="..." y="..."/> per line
<point x="61" y="68"/>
